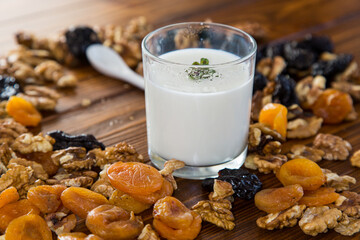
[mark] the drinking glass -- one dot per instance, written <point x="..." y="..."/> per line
<point x="198" y="89"/>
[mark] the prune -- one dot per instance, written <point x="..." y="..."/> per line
<point x="329" y="68"/>
<point x="64" y="140"/>
<point x="318" y="44"/>
<point x="260" y="82"/>
<point x="284" y="92"/>
<point x="245" y="184"/>
<point x="9" y="87"/>
<point x="270" y="50"/>
<point x="298" y="58"/>
<point x="78" y="39"/>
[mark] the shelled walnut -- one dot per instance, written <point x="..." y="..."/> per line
<point x="28" y="143"/>
<point x="120" y="152"/>
<point x="348" y="226"/>
<point x="16" y="176"/>
<point x="52" y="71"/>
<point x="355" y="159"/>
<point x="302" y="151"/>
<point x="259" y="138"/>
<point x="335" y="147"/>
<point x="279" y="220"/>
<point x="39" y="172"/>
<point x="317" y="220"/>
<point x="340" y="183"/>
<point x="74" y="179"/>
<point x="103" y="185"/>
<point x="43" y="98"/>
<point x="351" y="205"/>
<point x="303" y="127"/>
<point x="61" y="222"/>
<point x="148" y="233"/>
<point x="217" y="210"/>
<point x="10" y="130"/>
<point x="309" y="89"/>
<point x="271" y="68"/>
<point x="6" y="154"/>
<point x="73" y="159"/>
<point x="269" y="163"/>
<point x="169" y="167"/>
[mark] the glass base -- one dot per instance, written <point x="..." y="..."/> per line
<point x="200" y="172"/>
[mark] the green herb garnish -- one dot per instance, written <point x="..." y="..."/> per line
<point x="196" y="73"/>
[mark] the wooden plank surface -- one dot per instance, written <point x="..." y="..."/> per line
<point x="117" y="111"/>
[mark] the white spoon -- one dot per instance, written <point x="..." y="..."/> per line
<point x="108" y="62"/>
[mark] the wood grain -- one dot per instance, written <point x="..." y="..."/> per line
<point x="117" y="111"/>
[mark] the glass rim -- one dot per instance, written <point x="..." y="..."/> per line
<point x="237" y="61"/>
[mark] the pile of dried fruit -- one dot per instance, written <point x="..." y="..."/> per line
<point x="298" y="86"/>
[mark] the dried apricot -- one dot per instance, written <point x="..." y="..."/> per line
<point x="301" y="171"/>
<point x="275" y="116"/>
<point x="81" y="200"/>
<point x="9" y="195"/>
<point x="166" y="190"/>
<point x="135" y="178"/>
<point x="28" y="227"/>
<point x="319" y="197"/>
<point x="111" y="222"/>
<point x="127" y="202"/>
<point x="14" y="210"/>
<point x="333" y="106"/>
<point x="173" y="221"/>
<point x="23" y="111"/>
<point x="45" y="197"/>
<point x="173" y="212"/>
<point x="277" y="199"/>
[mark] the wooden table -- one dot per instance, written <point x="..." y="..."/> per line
<point x="117" y="111"/>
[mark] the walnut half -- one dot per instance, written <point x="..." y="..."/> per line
<point x="279" y="220"/>
<point x="317" y="220"/>
<point x="335" y="147"/>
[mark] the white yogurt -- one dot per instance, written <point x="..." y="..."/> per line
<point x="201" y="122"/>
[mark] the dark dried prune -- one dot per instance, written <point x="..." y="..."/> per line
<point x="270" y="50"/>
<point x="78" y="39"/>
<point x="64" y="140"/>
<point x="245" y="184"/>
<point x="260" y="82"/>
<point x="329" y="68"/>
<point x="298" y="58"/>
<point x="318" y="44"/>
<point x="284" y="92"/>
<point x="9" y="87"/>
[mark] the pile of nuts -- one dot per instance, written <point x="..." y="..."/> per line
<point x="298" y="86"/>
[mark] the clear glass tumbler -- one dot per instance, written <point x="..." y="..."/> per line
<point x="198" y="88"/>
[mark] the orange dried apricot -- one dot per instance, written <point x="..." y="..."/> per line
<point x="9" y="195"/>
<point x="14" y="210"/>
<point x="275" y="116"/>
<point x="127" y="202"/>
<point x="28" y="227"/>
<point x="173" y="221"/>
<point x="173" y="212"/>
<point x="23" y="111"/>
<point x="166" y="190"/>
<point x="135" y="178"/>
<point x="319" y="197"/>
<point x="277" y="199"/>
<point x="111" y="222"/>
<point x="81" y="200"/>
<point x="333" y="106"/>
<point x="301" y="171"/>
<point x="45" y="197"/>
